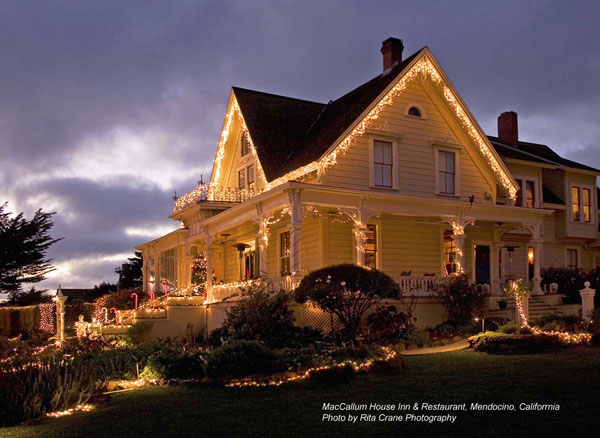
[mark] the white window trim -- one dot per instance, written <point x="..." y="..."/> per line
<point x="536" y="188"/>
<point x="474" y="244"/>
<point x="593" y="214"/>
<point x="436" y="153"/>
<point x="576" y="248"/>
<point x="388" y="139"/>
<point x="419" y="107"/>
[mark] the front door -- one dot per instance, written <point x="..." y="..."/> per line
<point x="482" y="264"/>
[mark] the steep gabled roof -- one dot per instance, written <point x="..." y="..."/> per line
<point x="290" y="133"/>
<point x="539" y="153"/>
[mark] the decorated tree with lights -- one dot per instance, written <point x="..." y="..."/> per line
<point x="23" y="246"/>
<point x="199" y="271"/>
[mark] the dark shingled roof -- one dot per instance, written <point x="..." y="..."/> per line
<point x="550" y="197"/>
<point x="291" y="133"/>
<point x="539" y="153"/>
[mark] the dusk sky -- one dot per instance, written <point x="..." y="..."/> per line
<point x="108" y="107"/>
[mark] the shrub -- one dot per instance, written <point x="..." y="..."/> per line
<point x="514" y="344"/>
<point x="525" y="330"/>
<point x="419" y="338"/>
<point x="389" y="322"/>
<point x="508" y="328"/>
<point x="493" y="324"/>
<point x="346" y="291"/>
<point x="139" y="331"/>
<point x="595" y="341"/>
<point x="264" y="317"/>
<point x="461" y="298"/>
<point x="445" y="329"/>
<point x="174" y="365"/>
<point x="337" y="374"/>
<point x="240" y="359"/>
<point x="570" y="282"/>
<point x="569" y="323"/>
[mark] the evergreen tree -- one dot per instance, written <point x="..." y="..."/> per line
<point x="130" y="274"/>
<point x="23" y="246"/>
<point x="199" y="270"/>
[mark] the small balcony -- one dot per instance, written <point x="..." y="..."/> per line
<point x="207" y="193"/>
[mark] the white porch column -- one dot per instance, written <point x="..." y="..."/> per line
<point x="587" y="301"/>
<point x="360" y="235"/>
<point x="537" y="261"/>
<point x="208" y="254"/>
<point x="459" y="238"/>
<point x="188" y="261"/>
<point x="294" y="196"/>
<point x="494" y="274"/>
<point x="263" y="242"/>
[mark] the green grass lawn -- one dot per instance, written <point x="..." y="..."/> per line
<point x="569" y="377"/>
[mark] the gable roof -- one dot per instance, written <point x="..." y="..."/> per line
<point x="535" y="152"/>
<point x="291" y="133"/>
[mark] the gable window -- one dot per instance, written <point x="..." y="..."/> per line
<point x="446" y="172"/>
<point x="525" y="194"/>
<point x="371" y="247"/>
<point x="245" y="145"/>
<point x="382" y="163"/>
<point x="285" y="251"/>
<point x="572" y="258"/>
<point x="242" y="179"/>
<point x="250" y="176"/>
<point x="414" y="112"/>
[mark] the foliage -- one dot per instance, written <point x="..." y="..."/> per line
<point x="28" y="298"/>
<point x="494" y="323"/>
<point x="570" y="281"/>
<point x="138" y="332"/>
<point x="199" y="270"/>
<point x="31" y="388"/>
<point x="517" y="289"/>
<point x="104" y="288"/>
<point x="510" y="327"/>
<point x="388" y="322"/>
<point x="461" y="298"/>
<point x="121" y="300"/>
<point x="263" y="316"/>
<point x="337" y="374"/>
<point x="23" y="246"/>
<point x="240" y="359"/>
<point x="420" y="338"/>
<point x="130" y="273"/>
<point x="595" y="341"/>
<point x="496" y="343"/>
<point x="346" y="291"/>
<point x="174" y="365"/>
<point x="562" y="323"/>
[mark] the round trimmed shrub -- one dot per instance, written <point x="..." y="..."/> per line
<point x="240" y="359"/>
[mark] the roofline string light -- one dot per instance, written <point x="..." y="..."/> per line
<point x="423" y="67"/>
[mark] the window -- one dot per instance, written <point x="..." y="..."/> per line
<point x="249" y="265"/>
<point x="575" y="204"/>
<point x="250" y="176"/>
<point x="572" y="258"/>
<point x="371" y="247"/>
<point x="446" y="172"/>
<point x="285" y="251"/>
<point x="168" y="263"/>
<point x="382" y="163"/>
<point x="585" y="197"/>
<point x="242" y="179"/>
<point x="245" y="145"/>
<point x="414" y="111"/>
<point x="449" y="253"/>
<point x="525" y="194"/>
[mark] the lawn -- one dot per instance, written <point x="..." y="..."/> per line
<point x="568" y="377"/>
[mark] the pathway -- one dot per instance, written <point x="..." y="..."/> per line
<point x="441" y="349"/>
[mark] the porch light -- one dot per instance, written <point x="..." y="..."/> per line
<point x="530" y="255"/>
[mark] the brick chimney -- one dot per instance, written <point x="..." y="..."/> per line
<point x="391" y="49"/>
<point x="508" y="128"/>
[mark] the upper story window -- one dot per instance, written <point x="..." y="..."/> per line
<point x="581" y="204"/>
<point x="414" y="111"/>
<point x="371" y="247"/>
<point x="242" y="179"/>
<point x="447" y="172"/>
<point x="525" y="194"/>
<point x="245" y="145"/>
<point x="250" y="176"/>
<point x="383" y="163"/>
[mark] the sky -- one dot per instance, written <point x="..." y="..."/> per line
<point x="107" y="108"/>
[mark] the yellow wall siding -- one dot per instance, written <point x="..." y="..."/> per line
<point x="476" y="235"/>
<point x="310" y="247"/>
<point x="406" y="244"/>
<point x="416" y="161"/>
<point x="339" y="244"/>
<point x="581" y="229"/>
<point x="554" y="179"/>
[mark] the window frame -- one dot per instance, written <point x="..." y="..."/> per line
<point x="417" y="106"/>
<point x="523" y="180"/>
<point x="250" y="184"/>
<point x="375" y="250"/>
<point x="241" y="171"/>
<point x="244" y="142"/>
<point x="592" y="206"/>
<point x="387" y="139"/>
<point x="280" y="257"/>
<point x="455" y="149"/>
<point x="578" y="255"/>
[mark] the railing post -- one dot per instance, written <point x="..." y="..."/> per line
<point x="587" y="301"/>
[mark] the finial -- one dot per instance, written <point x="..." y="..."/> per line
<point x="201" y="182"/>
<point x="59" y="292"/>
<point x="175" y="195"/>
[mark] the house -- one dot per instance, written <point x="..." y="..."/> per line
<point x="395" y="175"/>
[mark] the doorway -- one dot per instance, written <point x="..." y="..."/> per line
<point x="482" y="264"/>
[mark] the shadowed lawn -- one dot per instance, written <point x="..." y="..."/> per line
<point x="569" y="377"/>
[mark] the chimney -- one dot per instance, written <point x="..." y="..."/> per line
<point x="391" y="49"/>
<point x="508" y="128"/>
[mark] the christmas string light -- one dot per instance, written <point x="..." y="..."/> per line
<point x="46" y="317"/>
<point x="78" y="408"/>
<point x="424" y="68"/>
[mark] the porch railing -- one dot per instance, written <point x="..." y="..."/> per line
<point x="206" y="193"/>
<point x="418" y="286"/>
<point x="233" y="291"/>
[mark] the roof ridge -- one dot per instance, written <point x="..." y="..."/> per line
<point x="277" y="95"/>
<point x="522" y="151"/>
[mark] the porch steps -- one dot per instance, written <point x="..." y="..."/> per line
<point x="537" y="309"/>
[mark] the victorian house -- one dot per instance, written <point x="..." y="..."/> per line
<point x="395" y="175"/>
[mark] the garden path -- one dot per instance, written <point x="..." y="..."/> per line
<point x="441" y="349"/>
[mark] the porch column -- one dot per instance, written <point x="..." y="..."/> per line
<point x="494" y="274"/>
<point x="208" y="254"/>
<point x="188" y="261"/>
<point x="263" y="242"/>
<point x="360" y="235"/>
<point x="459" y="238"/>
<point x="294" y="196"/>
<point x="537" y="261"/>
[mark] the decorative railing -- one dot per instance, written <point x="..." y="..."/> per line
<point x="418" y="286"/>
<point x="233" y="291"/>
<point x="207" y="193"/>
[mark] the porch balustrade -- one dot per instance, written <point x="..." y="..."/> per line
<point x="418" y="286"/>
<point x="233" y="291"/>
<point x="204" y="193"/>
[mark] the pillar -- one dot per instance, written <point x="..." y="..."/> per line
<point x="537" y="261"/>
<point x="209" y="269"/>
<point x="295" y="227"/>
<point x="60" y="315"/>
<point x="460" y="251"/>
<point x="587" y="301"/>
<point x="360" y="235"/>
<point x="494" y="274"/>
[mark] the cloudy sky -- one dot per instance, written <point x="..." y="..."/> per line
<point x="108" y="107"/>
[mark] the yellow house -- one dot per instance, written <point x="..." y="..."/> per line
<point x="395" y="175"/>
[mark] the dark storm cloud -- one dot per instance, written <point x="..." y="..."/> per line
<point x="106" y="107"/>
